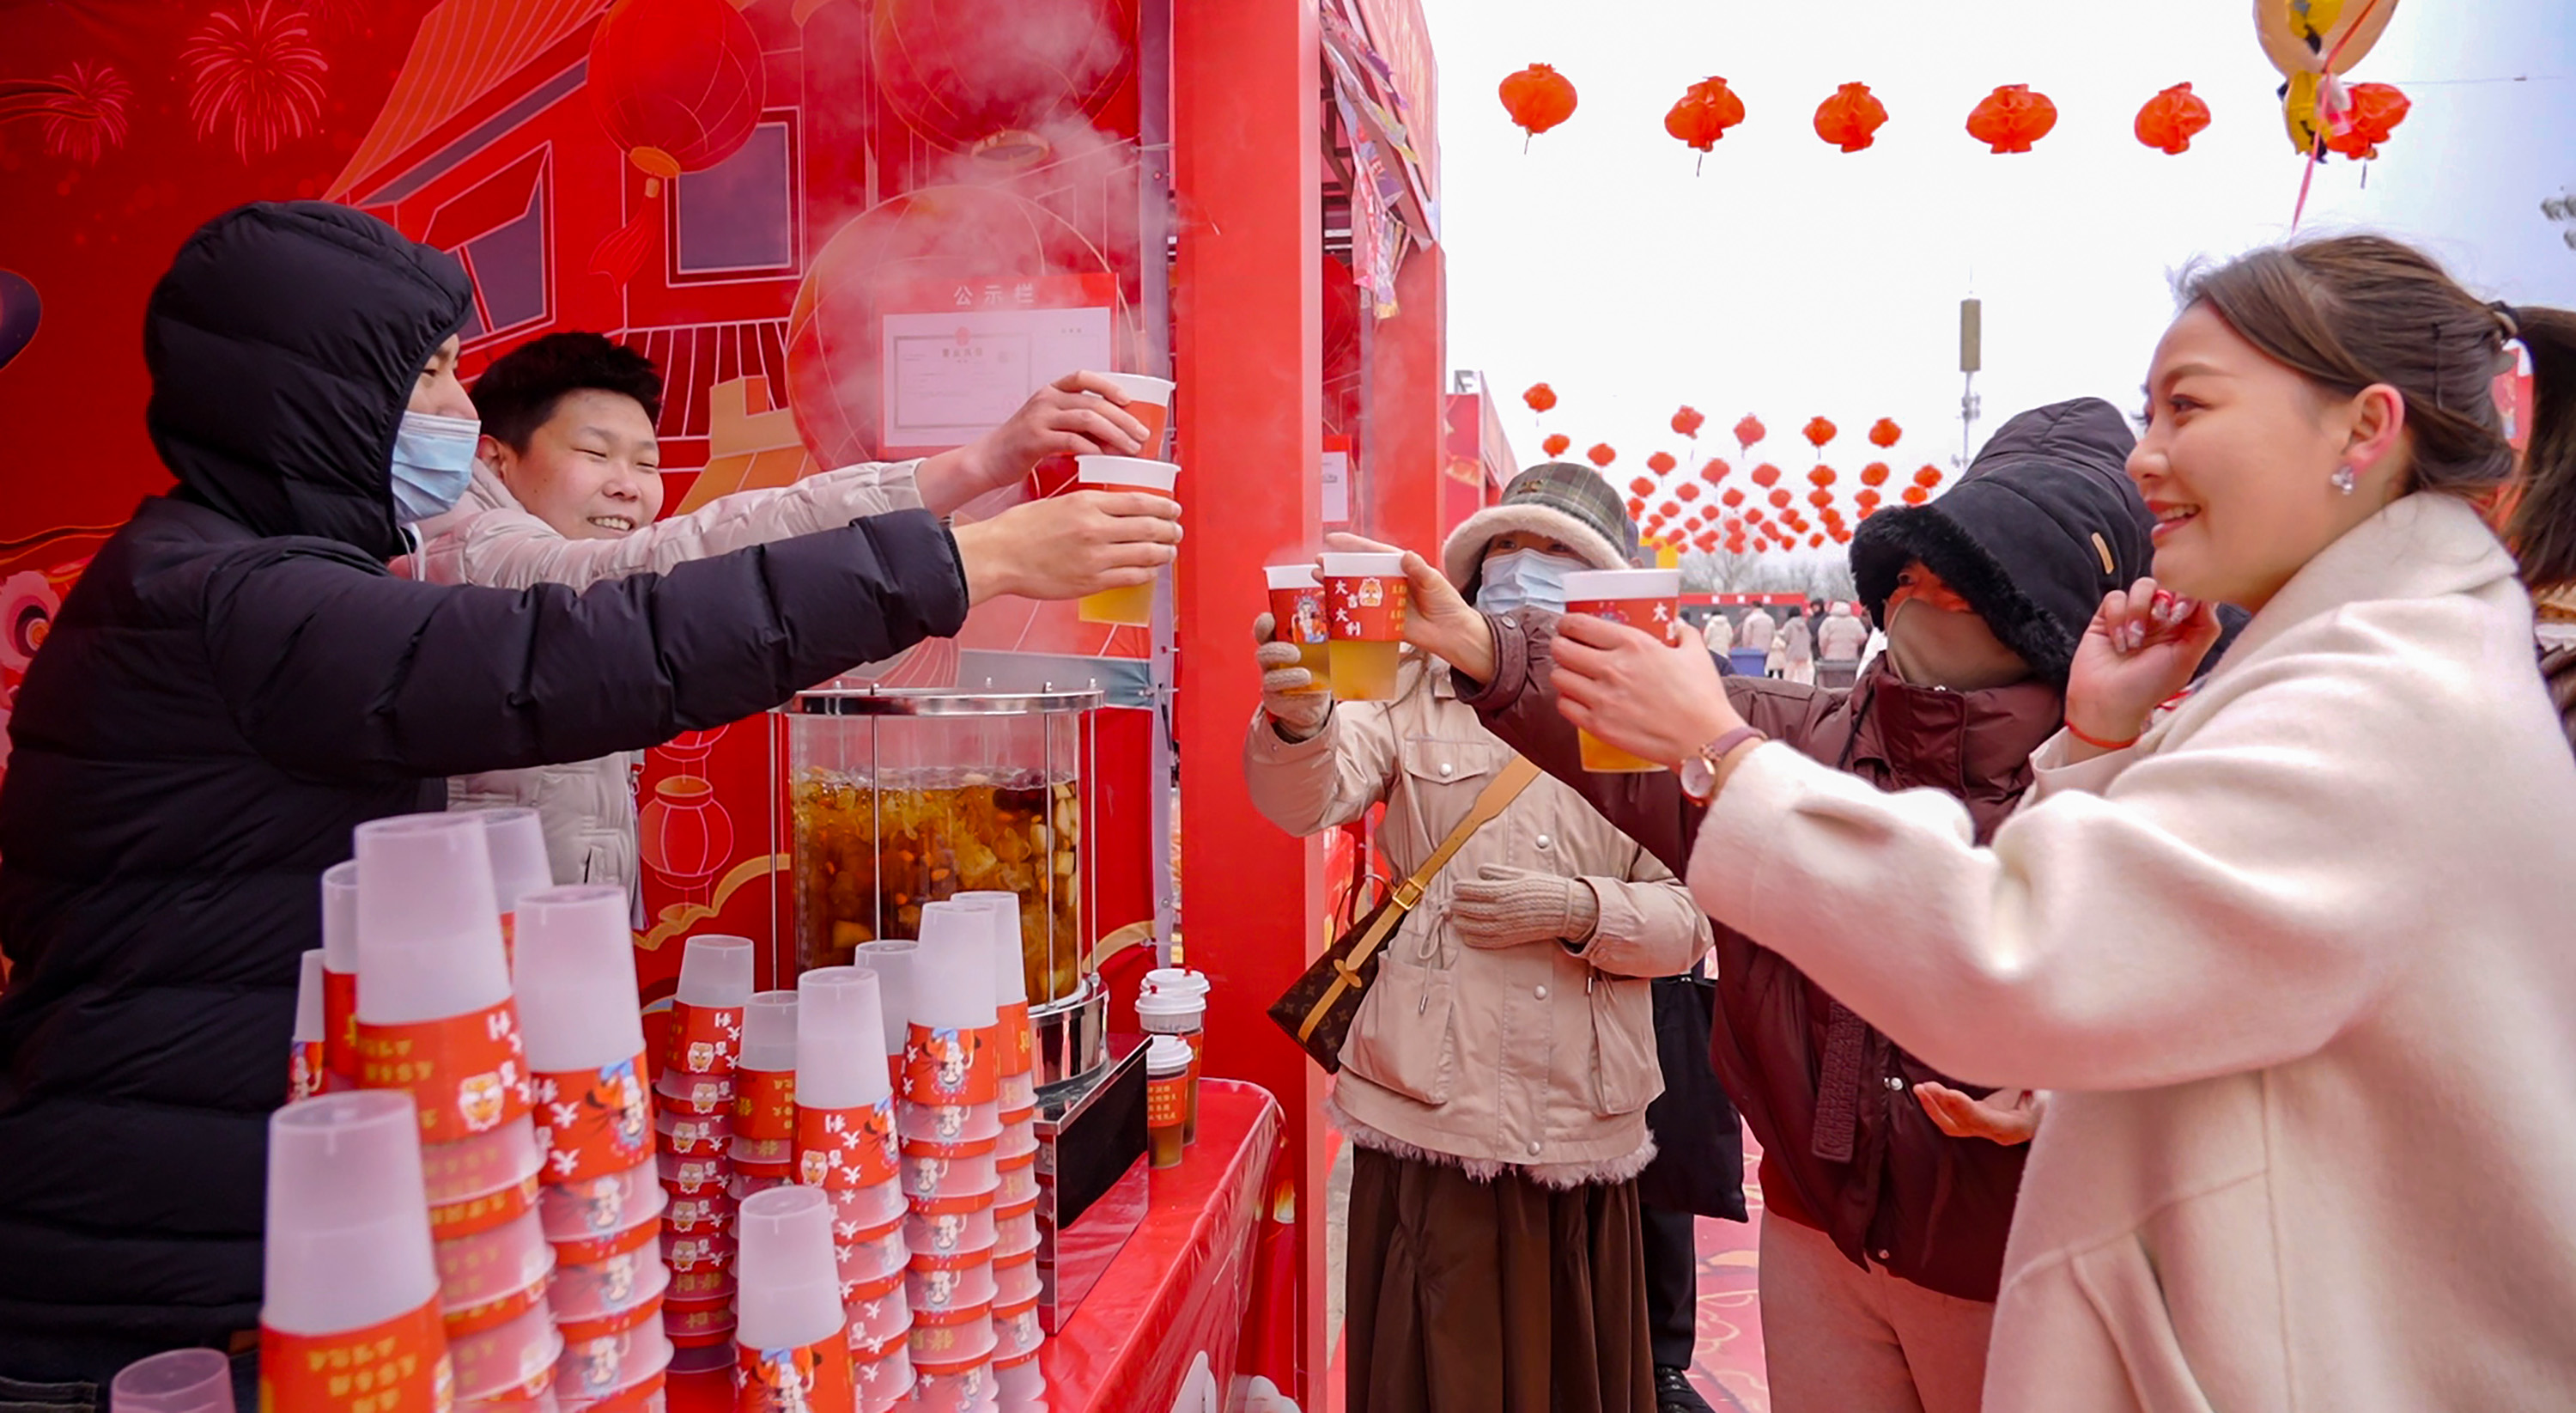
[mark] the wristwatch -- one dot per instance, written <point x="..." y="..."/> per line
<point x="1699" y="771"/>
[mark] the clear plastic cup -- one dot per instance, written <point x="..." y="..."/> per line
<point x="1022" y="1383"/>
<point x="1019" y="1183"/>
<point x="603" y="1290"/>
<point x="181" y="1381"/>
<point x="949" y="1123"/>
<point x="602" y="1207"/>
<point x="1364" y="600"/>
<point x="715" y="970"/>
<point x="695" y="1135"/>
<point x="948" y="1233"/>
<point x="695" y="1093"/>
<point x="885" y="1381"/>
<point x="605" y="1366"/>
<point x="576" y="978"/>
<point x="1016" y="1330"/>
<point x="516" y="839"/>
<point x="952" y="973"/>
<point x="514" y="1360"/>
<point x="864" y="1208"/>
<point x="1010" y="983"/>
<point x="840" y="1029"/>
<point x="1149" y="400"/>
<point x="945" y="1169"/>
<point x="1016" y="1278"/>
<point x="871" y="1253"/>
<point x="308" y="1063"/>
<point x="936" y="1286"/>
<point x="340" y="969"/>
<point x="1645" y="599"/>
<point x="789" y="1292"/>
<point x="952" y="1365"/>
<point x="348" y="1220"/>
<point x="492" y="1268"/>
<point x="309" y="1025"/>
<point x="1134" y="606"/>
<point x="1015" y="1227"/>
<point x="768" y="1033"/>
<point x="891" y="960"/>
<point x="429" y="933"/>
<point x="1297" y="608"/>
<point x="878" y="1314"/>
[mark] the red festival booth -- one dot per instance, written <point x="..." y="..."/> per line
<point x="863" y="231"/>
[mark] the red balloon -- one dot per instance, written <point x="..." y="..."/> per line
<point x="1601" y="455"/>
<point x="677" y="83"/>
<point x="1884" y="432"/>
<point x="2171" y="119"/>
<point x="988" y="77"/>
<point x="2011" y="118"/>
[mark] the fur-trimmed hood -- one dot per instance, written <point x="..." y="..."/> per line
<point x="1565" y="502"/>
<point x="2043" y="525"/>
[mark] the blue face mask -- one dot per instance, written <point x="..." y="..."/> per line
<point x="433" y="464"/>
<point x="1530" y="577"/>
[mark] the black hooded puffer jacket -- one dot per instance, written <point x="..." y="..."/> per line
<point x="236" y="683"/>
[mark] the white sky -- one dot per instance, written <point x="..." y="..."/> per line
<point x="1792" y="279"/>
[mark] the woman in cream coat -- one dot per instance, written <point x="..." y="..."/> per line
<point x="2294" y="951"/>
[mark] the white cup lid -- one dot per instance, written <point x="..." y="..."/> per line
<point x="1176" y="979"/>
<point x="1583" y="585"/>
<point x="429" y="934"/>
<point x="1292" y="576"/>
<point x="952" y="973"/>
<point x="1167" y="1055"/>
<point x="309" y="1022"/>
<point x="1136" y="471"/>
<point x="716" y="970"/>
<point x="340" y="917"/>
<point x="1340" y="564"/>
<point x="1171" y="1005"/>
<point x="348" y="1218"/>
<point x="891" y="959"/>
<point x="769" y="1031"/>
<point x="840" y="1034"/>
<point x="576" y="978"/>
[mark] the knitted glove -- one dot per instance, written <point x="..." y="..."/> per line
<point x="1296" y="713"/>
<point x="1507" y="907"/>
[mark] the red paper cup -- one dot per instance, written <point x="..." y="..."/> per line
<point x="514" y="1361"/>
<point x="1017" y="1185"/>
<point x="701" y="1211"/>
<point x="1019" y="1142"/>
<point x="699" y="1324"/>
<point x="694" y="1135"/>
<point x="1016" y="1330"/>
<point x="949" y="1232"/>
<point x="883" y="1382"/>
<point x="764" y="1157"/>
<point x="1016" y="1279"/>
<point x="931" y="1169"/>
<point x="683" y="1176"/>
<point x="701" y="1283"/>
<point x="483" y="1182"/>
<point x="1015" y="1228"/>
<point x="1022" y="1382"/>
<point x="634" y="1238"/>
<point x="948" y="1123"/>
<point x="606" y="1365"/>
<point x="952" y="1337"/>
<point x="878" y="1315"/>
<point x="601" y="1207"/>
<point x="577" y="1332"/>
<point x="937" y="1291"/>
<point x="1297" y="610"/>
<point x="863" y="1207"/>
<point x="1365" y="600"/>
<point x="695" y="1250"/>
<point x="1019" y="1094"/>
<point x="703" y="1094"/>
<point x="493" y="1277"/>
<point x="1647" y="599"/>
<point x="945" y="1385"/>
<point x="649" y="1396"/>
<point x="748" y="1183"/>
<point x="870" y="1253"/>
<point x="945" y="1202"/>
<point x="606" y="1290"/>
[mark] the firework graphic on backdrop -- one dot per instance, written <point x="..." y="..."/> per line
<point x="255" y="76"/>
<point x="88" y="120"/>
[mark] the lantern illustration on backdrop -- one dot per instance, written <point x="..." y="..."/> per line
<point x="2011" y="118"/>
<point x="1851" y="118"/>
<point x="1538" y="98"/>
<point x="2171" y="119"/>
<point x="1702" y="116"/>
<point x="685" y="836"/>
<point x="677" y="84"/>
<point x="991" y="78"/>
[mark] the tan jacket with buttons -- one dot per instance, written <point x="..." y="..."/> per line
<point x="1534" y="1056"/>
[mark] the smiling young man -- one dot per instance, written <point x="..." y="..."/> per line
<point x="568" y="490"/>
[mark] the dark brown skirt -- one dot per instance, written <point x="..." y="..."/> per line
<point x="1493" y="1297"/>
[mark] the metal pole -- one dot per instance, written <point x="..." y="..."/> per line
<point x="1154" y="305"/>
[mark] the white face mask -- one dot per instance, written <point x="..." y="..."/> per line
<point x="433" y="464"/>
<point x="1531" y="577"/>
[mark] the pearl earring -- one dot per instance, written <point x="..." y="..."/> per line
<point x="2343" y="479"/>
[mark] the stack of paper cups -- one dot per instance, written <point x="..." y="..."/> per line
<point x="340" y="975"/>
<point x="698" y="1089"/>
<point x="516" y="839"/>
<point x="351" y="1285"/>
<point x="307" y="1069"/>
<point x="436" y="1020"/>
<point x="845" y="1147"/>
<point x="576" y="975"/>
<point x="1174" y="1002"/>
<point x="891" y="959"/>
<point x="952" y="1131"/>
<point x="764" y="1102"/>
<point x="790" y="1353"/>
<point x="1015" y="1199"/>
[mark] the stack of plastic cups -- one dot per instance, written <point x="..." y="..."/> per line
<point x="1015" y="1201"/>
<point x="181" y="1381"/>
<point x="891" y="960"/>
<point x="790" y="1353"/>
<point x="697" y="1094"/>
<point x="576" y="972"/>
<point x="845" y="1146"/>
<point x="764" y="1102"/>
<point x="516" y="839"/>
<point x="308" y="1070"/>
<point x="340" y="976"/>
<point x="952" y="1130"/>
<point x="1175" y="1003"/>
<point x="351" y="1285"/>
<point x="435" y="1019"/>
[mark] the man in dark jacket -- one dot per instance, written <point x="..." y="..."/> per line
<point x="237" y="683"/>
<point x="1984" y="594"/>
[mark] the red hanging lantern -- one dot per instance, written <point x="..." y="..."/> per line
<point x="1874" y="474"/>
<point x="1818" y="431"/>
<point x="1642" y="486"/>
<point x="1733" y="497"/>
<point x="1766" y="475"/>
<point x="2377" y="109"/>
<point x="1841" y="535"/>
<point x="1687" y="490"/>
<point x="2011" y="118"/>
<point x="678" y="85"/>
<point x="1916" y="495"/>
<point x="1555" y="444"/>
<point x="1883" y="433"/>
<point x="1715" y="471"/>
<point x="1538" y="98"/>
<point x="1636" y="507"/>
<point x="1821" y="476"/>
<point x="2171" y="119"/>
<point x="1748" y="430"/>
<point x="1816" y="541"/>
<point x="1851" y="118"/>
<point x="1706" y="110"/>
<point x="1865" y="499"/>
<point x="1601" y="455"/>
<point x="1661" y="463"/>
<point x="1780" y="498"/>
<point x="1540" y="397"/>
<point x="1927" y="476"/>
<point x="1687" y="421"/>
<point x="1820" y="497"/>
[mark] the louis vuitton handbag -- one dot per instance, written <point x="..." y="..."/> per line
<point x="1317" y="1012"/>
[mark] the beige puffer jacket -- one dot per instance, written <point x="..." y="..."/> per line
<point x="1532" y="1057"/>
<point x="490" y="539"/>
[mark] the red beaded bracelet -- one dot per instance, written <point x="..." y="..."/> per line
<point x="2095" y="741"/>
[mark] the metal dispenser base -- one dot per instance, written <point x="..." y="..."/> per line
<point x="1092" y="1187"/>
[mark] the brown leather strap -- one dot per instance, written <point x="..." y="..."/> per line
<point x="1491" y="802"/>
